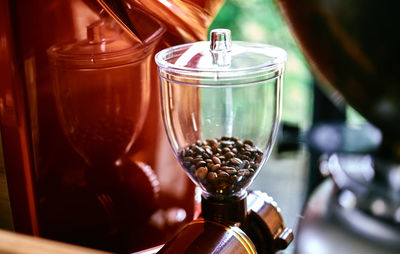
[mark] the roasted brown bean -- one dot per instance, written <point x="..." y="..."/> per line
<point x="216" y="160"/>
<point x="201" y="172"/>
<point x="223" y="165"/>
<point x="212" y="177"/>
<point x="236" y="161"/>
<point x="229" y="155"/>
<point x="216" y="167"/>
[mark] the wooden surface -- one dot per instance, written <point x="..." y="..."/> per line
<point x="13" y="243"/>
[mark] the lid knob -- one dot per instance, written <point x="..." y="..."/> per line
<point x="95" y="32"/>
<point x="220" y="46"/>
<point x="220" y="40"/>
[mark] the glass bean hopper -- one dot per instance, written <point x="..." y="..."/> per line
<point x="222" y="103"/>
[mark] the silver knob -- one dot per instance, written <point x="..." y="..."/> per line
<point x="220" y="40"/>
<point x="220" y="46"/>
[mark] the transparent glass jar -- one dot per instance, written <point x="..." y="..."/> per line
<point x="221" y="106"/>
<point x="102" y="90"/>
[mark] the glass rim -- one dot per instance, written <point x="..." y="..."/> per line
<point x="222" y="74"/>
<point x="133" y="54"/>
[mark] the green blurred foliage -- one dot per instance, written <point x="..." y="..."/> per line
<point x="261" y="21"/>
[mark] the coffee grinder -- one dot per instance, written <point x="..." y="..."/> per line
<point x="221" y="103"/>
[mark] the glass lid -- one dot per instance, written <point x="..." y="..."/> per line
<point x="221" y="61"/>
<point x="106" y="45"/>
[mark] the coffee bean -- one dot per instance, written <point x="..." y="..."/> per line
<point x="223" y="176"/>
<point x="226" y="150"/>
<point x="201" y="164"/>
<point x="231" y="171"/>
<point x="212" y="177"/>
<point x="247" y="154"/>
<point x="229" y="155"/>
<point x="216" y="160"/>
<point x="195" y="160"/>
<point x="212" y="142"/>
<point x="243" y="172"/>
<point x="222" y="165"/>
<point x="188" y="159"/>
<point x="208" y="151"/>
<point x="216" y="167"/>
<point x="249" y="142"/>
<point x="205" y="155"/>
<point x="201" y="172"/>
<point x="198" y="149"/>
<point x="249" y="148"/>
<point x="236" y="161"/>
<point x="244" y="164"/>
<point x="218" y="151"/>
<point x="224" y="168"/>
<point x="227" y="143"/>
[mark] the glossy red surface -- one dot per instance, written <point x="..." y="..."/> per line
<point x="14" y="130"/>
<point x="63" y="129"/>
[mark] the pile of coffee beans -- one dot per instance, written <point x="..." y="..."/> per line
<point x="222" y="165"/>
<point x="104" y="140"/>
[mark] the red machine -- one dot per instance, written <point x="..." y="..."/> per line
<point x="85" y="153"/>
